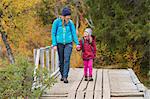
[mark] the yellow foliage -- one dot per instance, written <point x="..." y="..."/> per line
<point x="132" y="58"/>
<point x="118" y="57"/>
<point x="25" y="30"/>
<point x="76" y="59"/>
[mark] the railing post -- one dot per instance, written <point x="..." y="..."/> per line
<point x="34" y="54"/>
<point x="47" y="59"/>
<point x="52" y="60"/>
<point x="42" y="57"/>
<point x="36" y="62"/>
<point x="56" y="60"/>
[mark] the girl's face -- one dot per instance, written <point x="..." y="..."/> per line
<point x="86" y="35"/>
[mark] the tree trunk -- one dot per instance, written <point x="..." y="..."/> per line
<point x="0" y="51"/>
<point x="57" y="6"/>
<point x="77" y="16"/>
<point x="9" y="51"/>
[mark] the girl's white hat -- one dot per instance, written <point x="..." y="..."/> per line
<point x="89" y="31"/>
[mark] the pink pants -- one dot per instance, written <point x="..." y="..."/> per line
<point x="88" y="64"/>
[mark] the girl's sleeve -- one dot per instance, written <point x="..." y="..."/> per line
<point x="74" y="34"/>
<point x="54" y="32"/>
<point x="80" y="43"/>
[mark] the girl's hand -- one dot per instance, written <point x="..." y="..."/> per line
<point x="78" y="47"/>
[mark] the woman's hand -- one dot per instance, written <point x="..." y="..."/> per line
<point x="78" y="47"/>
<point x="55" y="48"/>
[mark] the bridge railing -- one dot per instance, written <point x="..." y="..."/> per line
<point x="46" y="57"/>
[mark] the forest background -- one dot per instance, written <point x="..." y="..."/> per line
<point x="121" y="27"/>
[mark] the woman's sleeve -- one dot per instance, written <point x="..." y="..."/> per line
<point x="74" y="34"/>
<point x="54" y="32"/>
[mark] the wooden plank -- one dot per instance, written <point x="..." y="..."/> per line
<point x="64" y="88"/>
<point x="98" y="95"/>
<point x="140" y="87"/>
<point x="34" y="54"/>
<point x="76" y="79"/>
<point x="126" y="97"/>
<point x="81" y="89"/>
<point x="123" y="87"/>
<point x="106" y="85"/>
<point x="75" y="75"/>
<point x="98" y="85"/>
<point x="56" y="95"/>
<point x="71" y="95"/>
<point x="56" y="60"/>
<point x="121" y="82"/>
<point x="147" y="94"/>
<point x="127" y="94"/>
<point x="42" y="58"/>
<point x="119" y="71"/>
<point x="36" y="63"/>
<point x="91" y="85"/>
<point x="37" y="58"/>
<point x="79" y="85"/>
<point x="47" y="59"/>
<point x="89" y="94"/>
<point x="134" y="77"/>
<point x="52" y="60"/>
<point x="83" y="85"/>
<point x="80" y="94"/>
<point x="53" y="98"/>
<point x="136" y="81"/>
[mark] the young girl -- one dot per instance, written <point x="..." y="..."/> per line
<point x="88" y="47"/>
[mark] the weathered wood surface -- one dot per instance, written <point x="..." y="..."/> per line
<point x="107" y="84"/>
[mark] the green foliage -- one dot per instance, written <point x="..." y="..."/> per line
<point x="17" y="80"/>
<point x="46" y="11"/>
<point x="122" y="29"/>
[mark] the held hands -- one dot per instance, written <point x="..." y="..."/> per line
<point x="78" y="48"/>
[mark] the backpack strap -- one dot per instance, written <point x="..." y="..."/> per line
<point x="83" y="46"/>
<point x="70" y="28"/>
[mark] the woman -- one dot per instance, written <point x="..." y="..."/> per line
<point x="63" y="34"/>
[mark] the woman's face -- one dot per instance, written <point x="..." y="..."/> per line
<point x="67" y="18"/>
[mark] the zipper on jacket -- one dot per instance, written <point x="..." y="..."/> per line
<point x="64" y="32"/>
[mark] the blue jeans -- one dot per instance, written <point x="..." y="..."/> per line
<point x="64" y="53"/>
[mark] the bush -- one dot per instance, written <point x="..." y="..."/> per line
<point x="17" y="80"/>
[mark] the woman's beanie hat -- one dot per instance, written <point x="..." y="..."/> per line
<point x="66" y="11"/>
<point x="89" y="31"/>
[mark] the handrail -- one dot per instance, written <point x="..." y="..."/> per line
<point x="44" y="59"/>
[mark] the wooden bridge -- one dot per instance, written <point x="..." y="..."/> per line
<point x="107" y="84"/>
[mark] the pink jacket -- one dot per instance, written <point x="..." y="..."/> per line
<point x="88" y="49"/>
